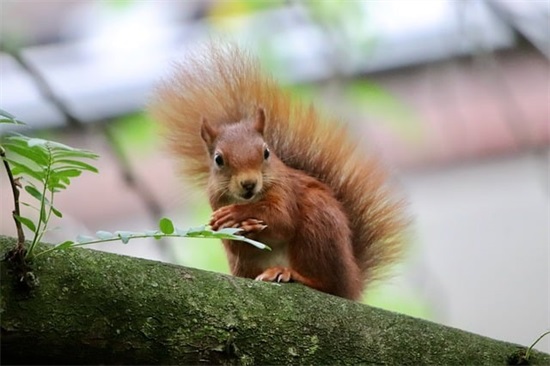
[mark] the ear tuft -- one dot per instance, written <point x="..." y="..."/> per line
<point x="208" y="133"/>
<point x="259" y="121"/>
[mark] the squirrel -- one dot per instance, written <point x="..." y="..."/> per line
<point x="281" y="173"/>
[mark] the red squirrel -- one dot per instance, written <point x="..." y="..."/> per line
<point x="281" y="173"/>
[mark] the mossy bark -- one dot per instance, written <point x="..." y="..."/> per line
<point x="90" y="307"/>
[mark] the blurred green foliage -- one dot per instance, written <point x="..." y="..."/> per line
<point x="305" y="93"/>
<point x="399" y="299"/>
<point x="241" y="7"/>
<point x="118" y="4"/>
<point x="136" y="133"/>
<point x="377" y="102"/>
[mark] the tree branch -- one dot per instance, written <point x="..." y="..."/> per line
<point x="99" y="308"/>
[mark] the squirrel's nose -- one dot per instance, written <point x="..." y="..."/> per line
<point x="248" y="185"/>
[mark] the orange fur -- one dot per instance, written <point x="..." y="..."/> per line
<point x="326" y="205"/>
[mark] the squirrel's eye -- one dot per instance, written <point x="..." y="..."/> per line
<point x="218" y="159"/>
<point x="266" y="153"/>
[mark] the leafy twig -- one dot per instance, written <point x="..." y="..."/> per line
<point x="166" y="230"/>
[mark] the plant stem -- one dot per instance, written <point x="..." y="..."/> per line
<point x="42" y="214"/>
<point x="144" y="236"/>
<point x="528" y="353"/>
<point x="16" y="211"/>
<point x="48" y="215"/>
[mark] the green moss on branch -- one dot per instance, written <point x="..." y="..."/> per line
<point x="91" y="307"/>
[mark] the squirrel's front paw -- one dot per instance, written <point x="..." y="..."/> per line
<point x="276" y="274"/>
<point x="228" y="216"/>
<point x="222" y="218"/>
<point x="250" y="226"/>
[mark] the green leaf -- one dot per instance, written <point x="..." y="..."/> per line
<point x="29" y="205"/>
<point x="38" y="156"/>
<point x="26" y="221"/>
<point x="67" y="173"/>
<point x="46" y="143"/>
<point x="255" y="243"/>
<point x="227" y="233"/>
<point x="18" y="139"/>
<point x="59" y="153"/>
<point x="43" y="217"/>
<point x="65" y="245"/>
<point x="9" y="118"/>
<point x="56" y="212"/>
<point x="60" y="182"/>
<point x="56" y="187"/>
<point x="77" y="164"/>
<point x="228" y="230"/>
<point x="56" y="149"/>
<point x="17" y="169"/>
<point x="34" y="192"/>
<point x="6" y="114"/>
<point x="166" y="226"/>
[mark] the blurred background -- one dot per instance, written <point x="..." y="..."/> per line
<point x="452" y="94"/>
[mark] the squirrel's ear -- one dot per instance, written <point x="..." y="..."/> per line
<point x="259" y="121"/>
<point x="208" y="133"/>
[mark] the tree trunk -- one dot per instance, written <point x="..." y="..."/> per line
<point x="89" y="307"/>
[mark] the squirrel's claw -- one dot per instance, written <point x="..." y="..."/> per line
<point x="275" y="274"/>
<point x="251" y="226"/>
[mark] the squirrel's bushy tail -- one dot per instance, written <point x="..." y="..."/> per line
<point x="225" y="85"/>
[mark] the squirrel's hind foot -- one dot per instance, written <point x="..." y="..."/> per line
<point x="276" y="274"/>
